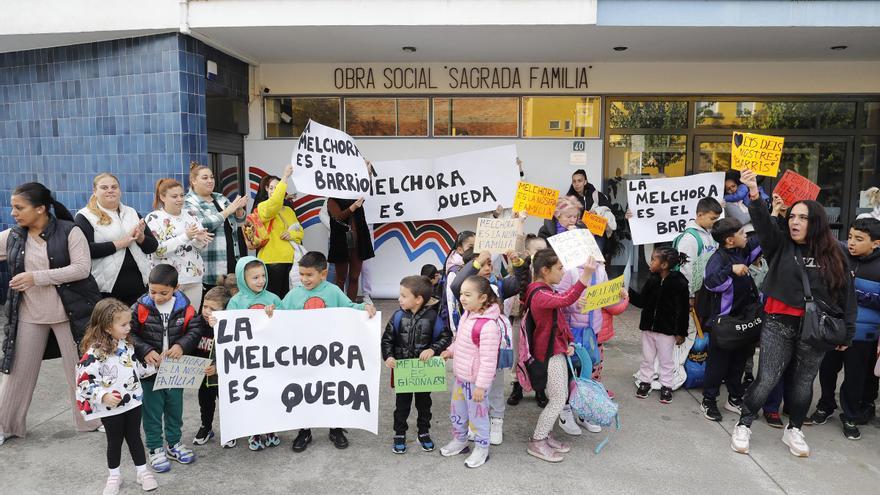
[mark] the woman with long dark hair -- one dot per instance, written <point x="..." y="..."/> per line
<point x="51" y="295"/>
<point x="809" y="247"/>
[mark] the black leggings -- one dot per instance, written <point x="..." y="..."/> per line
<point x="279" y="278"/>
<point x="208" y="403"/>
<point x="124" y="426"/>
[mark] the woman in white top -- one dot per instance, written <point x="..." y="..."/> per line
<point x="181" y="238"/>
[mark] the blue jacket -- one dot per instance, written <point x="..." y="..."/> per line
<point x="742" y="194"/>
<point x="866" y="271"/>
<point x="735" y="292"/>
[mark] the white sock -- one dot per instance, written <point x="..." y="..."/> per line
<point x="114" y="472"/>
<point x="141" y="469"/>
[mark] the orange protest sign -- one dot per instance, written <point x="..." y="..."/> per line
<point x="535" y="200"/>
<point x="793" y="188"/>
<point x="756" y="152"/>
<point x="596" y="223"/>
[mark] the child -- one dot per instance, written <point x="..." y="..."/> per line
<point x="316" y="293"/>
<point x="696" y="240"/>
<point x="253" y="281"/>
<point x="463" y="243"/>
<point x="433" y="274"/>
<point x="664" y="321"/>
<point x="108" y="387"/>
<point x="164" y="324"/>
<point x="420" y="333"/>
<point x="858" y="359"/>
<point x="215" y="299"/>
<point x="475" y="353"/>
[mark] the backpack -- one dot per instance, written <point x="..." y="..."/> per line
<point x="143" y="313"/>
<point x="526" y="341"/>
<point x="589" y="398"/>
<point x="695" y="365"/>
<point x="256" y="233"/>
<point x="586" y="337"/>
<point x="699" y="263"/>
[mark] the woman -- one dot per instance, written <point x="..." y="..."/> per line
<point x="350" y="242"/>
<point x="51" y="292"/>
<point x="119" y="241"/>
<point x="566" y="217"/>
<point x="285" y="231"/>
<point x="808" y="246"/>
<point x="219" y="217"/>
<point x="586" y="193"/>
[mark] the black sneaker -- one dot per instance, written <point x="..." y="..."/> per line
<point x="851" y="431"/>
<point x="204" y="434"/>
<point x="747" y="380"/>
<point x="819" y="417"/>
<point x="710" y="410"/>
<point x="337" y="436"/>
<point x="302" y="440"/>
<point x="542" y="399"/>
<point x="399" y="446"/>
<point x="774" y="420"/>
<point x="665" y="395"/>
<point x="426" y="442"/>
<point x="643" y="390"/>
<point x="516" y="394"/>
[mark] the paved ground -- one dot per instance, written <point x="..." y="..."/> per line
<point x="661" y="449"/>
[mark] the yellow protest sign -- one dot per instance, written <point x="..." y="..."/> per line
<point x="596" y="223"/>
<point x="535" y="200"/>
<point x="756" y="152"/>
<point x="604" y="294"/>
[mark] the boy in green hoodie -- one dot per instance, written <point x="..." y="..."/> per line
<point x="316" y="293"/>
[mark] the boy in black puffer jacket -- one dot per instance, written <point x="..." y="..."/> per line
<point x="414" y="331"/>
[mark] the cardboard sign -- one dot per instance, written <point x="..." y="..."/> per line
<point x="326" y="162"/>
<point x="756" y="152"/>
<point x="496" y="235"/>
<point x="604" y="294"/>
<point x="662" y="208"/>
<point x="596" y="223"/>
<point x="793" y="187"/>
<point x="298" y="369"/>
<point x="537" y="201"/>
<point x="575" y="247"/>
<point x="183" y="372"/>
<point x="415" y="375"/>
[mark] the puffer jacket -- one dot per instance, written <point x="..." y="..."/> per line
<point x="417" y="332"/>
<point x="576" y="319"/>
<point x="147" y="330"/>
<point x="477" y="364"/>
<point x="866" y="271"/>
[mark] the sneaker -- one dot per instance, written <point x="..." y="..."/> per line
<point x="557" y="445"/>
<point x="204" y="434"/>
<point x="566" y="422"/>
<point x="516" y="394"/>
<point x="399" y="446"/>
<point x="471" y="434"/>
<point x="114" y="483"/>
<point x="159" y="461"/>
<point x="710" y="410"/>
<point x="819" y="417"/>
<point x="496" y="431"/>
<point x="302" y="440"/>
<point x="230" y="444"/>
<point x="101" y="429"/>
<point x="147" y="481"/>
<point x="733" y="405"/>
<point x="337" y="437"/>
<point x="643" y="390"/>
<point x="665" y="395"/>
<point x="739" y="441"/>
<point x="542" y="399"/>
<point x="794" y="438"/>
<point x="773" y="420"/>
<point x="271" y="440"/>
<point x="590" y="427"/>
<point x="180" y="453"/>
<point x="542" y="450"/>
<point x="255" y="443"/>
<point x="426" y="442"/>
<point x="454" y="447"/>
<point x="2" y="438"/>
<point x="851" y="431"/>
<point x="478" y="457"/>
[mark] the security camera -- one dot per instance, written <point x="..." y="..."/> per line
<point x="265" y="91"/>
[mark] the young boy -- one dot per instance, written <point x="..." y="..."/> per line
<point x="433" y="274"/>
<point x="316" y="293"/>
<point x="415" y="331"/>
<point x="215" y="299"/>
<point x="164" y="324"/>
<point x="858" y="359"/>
<point x="697" y="240"/>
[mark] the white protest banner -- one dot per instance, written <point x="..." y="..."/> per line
<point x="575" y="247"/>
<point x="298" y="369"/>
<point x="496" y="235"/>
<point x="327" y="162"/>
<point x="445" y="187"/>
<point x="663" y="207"/>
<point x="183" y="372"/>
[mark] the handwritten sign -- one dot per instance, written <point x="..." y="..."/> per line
<point x="496" y="235"/>
<point x="415" y="375"/>
<point x="326" y="162"/>
<point x="575" y="247"/>
<point x="604" y="294"/>
<point x="535" y="200"/>
<point x="793" y="187"/>
<point x="756" y="152"/>
<point x="662" y="208"/>
<point x="183" y="372"/>
<point x="596" y="223"/>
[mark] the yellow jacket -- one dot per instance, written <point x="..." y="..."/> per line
<point x="277" y="250"/>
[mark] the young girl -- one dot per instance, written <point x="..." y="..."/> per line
<point x="545" y="306"/>
<point x="464" y="243"/>
<point x="533" y="244"/>
<point x="665" y="304"/>
<point x="181" y="238"/>
<point x="475" y="350"/>
<point x="109" y="388"/>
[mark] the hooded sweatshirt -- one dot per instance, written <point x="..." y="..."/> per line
<point x="246" y="297"/>
<point x="688" y="245"/>
<point x="325" y="295"/>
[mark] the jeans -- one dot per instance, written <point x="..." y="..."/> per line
<point x="727" y="365"/>
<point x="783" y="357"/>
<point x="858" y="364"/>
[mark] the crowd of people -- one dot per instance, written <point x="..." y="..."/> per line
<point x="107" y="289"/>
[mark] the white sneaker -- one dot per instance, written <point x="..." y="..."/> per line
<point x="478" y="457"/>
<point x="101" y="429"/>
<point x="114" y="483"/>
<point x="471" y="434"/>
<point x="454" y="447"/>
<point x="496" y="434"/>
<point x="147" y="481"/>
<point x="739" y="441"/>
<point x="794" y="438"/>
<point x="566" y="422"/>
<point x="590" y="427"/>
<point x="2" y="438"/>
<point x="230" y="444"/>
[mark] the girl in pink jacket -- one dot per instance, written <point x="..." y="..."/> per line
<point x="475" y="353"/>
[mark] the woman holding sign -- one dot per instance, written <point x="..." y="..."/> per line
<point x="566" y="217"/>
<point x="806" y="262"/>
<point x="350" y="242"/>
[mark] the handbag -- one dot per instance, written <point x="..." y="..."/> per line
<point x="536" y="369"/>
<point x="819" y="329"/>
<point x="737" y="331"/>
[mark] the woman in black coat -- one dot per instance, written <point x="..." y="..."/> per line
<point x="351" y="242"/>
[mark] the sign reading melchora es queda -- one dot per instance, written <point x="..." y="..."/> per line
<point x="466" y="77"/>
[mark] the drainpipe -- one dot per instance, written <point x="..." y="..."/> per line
<point x="184" y="16"/>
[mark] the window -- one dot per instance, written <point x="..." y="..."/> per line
<point x="476" y="116"/>
<point x="386" y="117"/>
<point x="561" y="116"/>
<point x="776" y="114"/>
<point x="412" y="117"/>
<point x="648" y="115"/>
<point x="659" y="155"/>
<point x="872" y="115"/>
<point x="867" y="171"/>
<point x="286" y="117"/>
